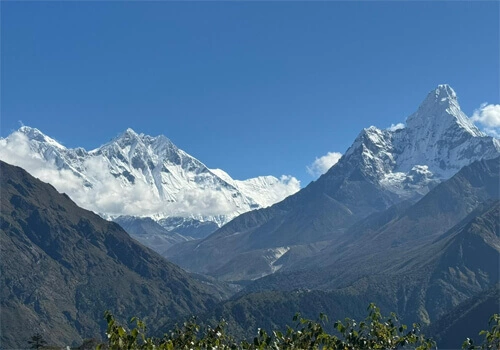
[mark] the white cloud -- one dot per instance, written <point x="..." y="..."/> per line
<point x="108" y="195"/>
<point x="397" y="126"/>
<point x="290" y="182"/>
<point x="286" y="186"/>
<point x="487" y="118"/>
<point x="322" y="164"/>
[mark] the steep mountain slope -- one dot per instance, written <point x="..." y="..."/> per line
<point x="139" y="175"/>
<point x="62" y="267"/>
<point x="273" y="310"/>
<point x="438" y="211"/>
<point x="382" y="168"/>
<point x="469" y="317"/>
<point x="150" y="233"/>
<point x="401" y="239"/>
<point x="424" y="284"/>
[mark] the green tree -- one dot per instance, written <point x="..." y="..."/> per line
<point x="37" y="341"/>
<point x="491" y="337"/>
<point x="375" y="332"/>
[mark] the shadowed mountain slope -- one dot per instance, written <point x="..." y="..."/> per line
<point x="423" y="285"/>
<point x="62" y="267"/>
<point x="468" y="318"/>
<point x="405" y="227"/>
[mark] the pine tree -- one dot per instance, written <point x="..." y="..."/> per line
<point x="37" y="341"/>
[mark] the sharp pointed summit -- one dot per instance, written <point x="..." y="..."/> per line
<point x="129" y="131"/>
<point x="443" y="97"/>
<point x="439" y="99"/>
<point x="38" y="136"/>
<point x="439" y="112"/>
<point x="438" y="140"/>
<point x="442" y="94"/>
<point x="438" y="136"/>
<point x="127" y="137"/>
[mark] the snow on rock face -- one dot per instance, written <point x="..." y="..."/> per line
<point x="271" y="256"/>
<point x="441" y="136"/>
<point x="437" y="141"/>
<point x="140" y="175"/>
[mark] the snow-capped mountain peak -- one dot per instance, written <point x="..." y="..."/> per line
<point x="141" y="175"/>
<point x="442" y="93"/>
<point x="440" y="111"/>
<point x="437" y="141"/>
<point x="129" y="146"/>
<point x="37" y="136"/>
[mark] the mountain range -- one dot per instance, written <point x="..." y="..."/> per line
<point x="143" y="176"/>
<point x="441" y="275"/>
<point x="408" y="218"/>
<point x="383" y="168"/>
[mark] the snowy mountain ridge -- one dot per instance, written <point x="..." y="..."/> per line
<point x="140" y="175"/>
<point x="437" y="141"/>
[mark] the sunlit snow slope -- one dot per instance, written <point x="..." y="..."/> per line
<point x="437" y="141"/>
<point x="140" y="175"/>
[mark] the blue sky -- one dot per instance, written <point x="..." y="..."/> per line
<point x="254" y="88"/>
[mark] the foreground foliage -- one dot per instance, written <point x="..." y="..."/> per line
<point x="375" y="332"/>
<point x="491" y="337"/>
<point x="37" y="341"/>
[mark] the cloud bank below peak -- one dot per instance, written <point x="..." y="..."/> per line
<point x="90" y="182"/>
